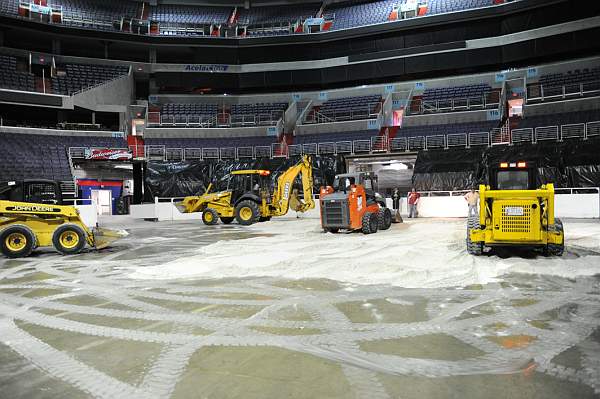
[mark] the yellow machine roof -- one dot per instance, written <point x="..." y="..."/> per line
<point x="251" y="172"/>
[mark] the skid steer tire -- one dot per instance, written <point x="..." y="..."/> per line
<point x="247" y="213"/>
<point x="68" y="239"/>
<point x="227" y="219"/>
<point x="210" y="217"/>
<point x="556" y="249"/>
<point x="473" y="248"/>
<point x="370" y="223"/>
<point x="384" y="218"/>
<point x="264" y="218"/>
<point x="17" y="241"/>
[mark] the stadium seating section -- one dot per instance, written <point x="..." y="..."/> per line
<point x="100" y="14"/>
<point x="212" y="142"/>
<point x="79" y="76"/>
<point x="348" y="15"/>
<point x="10" y="78"/>
<point x="240" y="114"/>
<point x="445" y="6"/>
<point x="444" y="93"/>
<point x="44" y="156"/>
<point x="278" y="14"/>
<point x="571" y="77"/>
<point x="189" y="14"/>
<point x="345" y="108"/>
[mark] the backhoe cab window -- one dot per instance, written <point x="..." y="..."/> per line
<point x="343" y="183"/>
<point x="513" y="180"/>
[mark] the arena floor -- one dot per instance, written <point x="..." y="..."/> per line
<point x="281" y="310"/>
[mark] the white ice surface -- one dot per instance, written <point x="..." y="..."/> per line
<point x="423" y="253"/>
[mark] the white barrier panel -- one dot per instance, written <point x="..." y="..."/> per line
<point x="583" y="206"/>
<point x="88" y="214"/>
<point x="443" y="207"/>
<point x="143" y="211"/>
<point x="577" y="206"/>
<point x="161" y="211"/>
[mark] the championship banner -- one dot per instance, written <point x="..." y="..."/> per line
<point x="106" y="154"/>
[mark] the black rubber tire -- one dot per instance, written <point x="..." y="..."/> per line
<point x="556" y="249"/>
<point x="227" y="219"/>
<point x="264" y="218"/>
<point x="30" y="241"/>
<point x="210" y="217"/>
<point x="255" y="216"/>
<point x="384" y="217"/>
<point x="58" y="245"/>
<point x="332" y="230"/>
<point x="473" y="248"/>
<point x="370" y="223"/>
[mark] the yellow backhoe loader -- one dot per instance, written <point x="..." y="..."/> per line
<point x="32" y="215"/>
<point x="250" y="197"/>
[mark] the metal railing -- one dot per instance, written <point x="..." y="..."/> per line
<point x="218" y="120"/>
<point x="539" y="92"/>
<point x="376" y="144"/>
<point x="419" y="106"/>
<point x="368" y="111"/>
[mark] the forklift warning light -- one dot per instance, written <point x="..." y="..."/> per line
<point x="265" y="172"/>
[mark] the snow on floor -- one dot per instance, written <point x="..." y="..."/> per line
<point x="425" y="253"/>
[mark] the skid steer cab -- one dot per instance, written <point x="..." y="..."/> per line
<point x="352" y="203"/>
<point x="252" y="196"/>
<point x="36" y="191"/>
<point x="514" y="213"/>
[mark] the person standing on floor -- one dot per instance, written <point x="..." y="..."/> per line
<point x="396" y="199"/>
<point x="413" y="201"/>
<point x="472" y="198"/>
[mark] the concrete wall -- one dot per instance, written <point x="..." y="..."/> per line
<point x="445" y="119"/>
<point x="334" y="127"/>
<point x="182" y="132"/>
<point x="113" y="96"/>
<point x="559" y="107"/>
<point x="57" y="132"/>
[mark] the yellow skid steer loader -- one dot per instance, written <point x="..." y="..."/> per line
<point x="25" y="226"/>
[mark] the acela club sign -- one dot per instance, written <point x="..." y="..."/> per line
<point x="206" y="68"/>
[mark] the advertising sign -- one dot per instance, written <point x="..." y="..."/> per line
<point x="107" y="154"/>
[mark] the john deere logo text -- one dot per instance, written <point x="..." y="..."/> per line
<point x="32" y="208"/>
<point x="286" y="191"/>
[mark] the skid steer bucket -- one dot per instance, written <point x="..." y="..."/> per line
<point x="104" y="237"/>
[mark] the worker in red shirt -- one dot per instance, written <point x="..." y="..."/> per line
<point x="413" y="200"/>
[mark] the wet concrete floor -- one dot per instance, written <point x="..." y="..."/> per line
<point x="78" y="327"/>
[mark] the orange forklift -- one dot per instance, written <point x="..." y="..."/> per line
<point x="352" y="203"/>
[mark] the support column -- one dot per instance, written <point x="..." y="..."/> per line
<point x="56" y="47"/>
<point x="152" y="56"/>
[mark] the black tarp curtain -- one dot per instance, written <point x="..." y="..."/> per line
<point x="179" y="179"/>
<point x="572" y="164"/>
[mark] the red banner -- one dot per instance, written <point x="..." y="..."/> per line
<point x="107" y="154"/>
